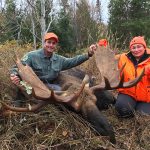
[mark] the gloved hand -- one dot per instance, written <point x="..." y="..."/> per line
<point x="91" y="50"/>
<point x="103" y="42"/>
<point x="147" y="70"/>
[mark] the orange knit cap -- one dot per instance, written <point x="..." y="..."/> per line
<point x="51" y="35"/>
<point x="138" y="40"/>
<point x="103" y="42"/>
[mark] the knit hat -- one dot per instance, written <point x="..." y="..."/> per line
<point x="138" y="40"/>
<point x="103" y="42"/>
<point x="51" y="35"/>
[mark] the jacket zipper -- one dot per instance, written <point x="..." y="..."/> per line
<point x="135" y="77"/>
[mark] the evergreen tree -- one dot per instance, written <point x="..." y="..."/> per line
<point x="119" y="15"/>
<point x="87" y="27"/>
<point x="139" y="18"/>
<point x="12" y="27"/>
<point x="12" y="22"/>
<point x="129" y="18"/>
<point x="63" y="27"/>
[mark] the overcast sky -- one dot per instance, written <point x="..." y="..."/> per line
<point x="104" y="4"/>
<point x="104" y="7"/>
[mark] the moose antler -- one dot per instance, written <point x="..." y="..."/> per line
<point x="40" y="91"/>
<point x="28" y="75"/>
<point x="104" y="60"/>
<point x="107" y="65"/>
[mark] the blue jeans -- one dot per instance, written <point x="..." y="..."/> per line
<point x="127" y="105"/>
<point x="54" y="87"/>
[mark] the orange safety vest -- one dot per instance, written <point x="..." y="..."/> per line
<point x="140" y="92"/>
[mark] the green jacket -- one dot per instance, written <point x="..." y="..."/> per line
<point x="48" y="68"/>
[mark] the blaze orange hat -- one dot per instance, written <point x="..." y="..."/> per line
<point x="51" y="35"/>
<point x="138" y="40"/>
<point x="103" y="42"/>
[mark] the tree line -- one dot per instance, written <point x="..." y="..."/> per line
<point x="77" y="23"/>
<point x="129" y="18"/>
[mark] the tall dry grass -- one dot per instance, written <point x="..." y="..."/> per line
<point x="7" y="60"/>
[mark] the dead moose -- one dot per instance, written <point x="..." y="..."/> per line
<point x="84" y="97"/>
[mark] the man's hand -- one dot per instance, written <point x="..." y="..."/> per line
<point x="92" y="49"/>
<point x="15" y="79"/>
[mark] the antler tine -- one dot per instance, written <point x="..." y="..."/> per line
<point x="107" y="84"/>
<point x="122" y="67"/>
<point x="121" y="80"/>
<point x="41" y="97"/>
<point x="17" y="60"/>
<point x="109" y="87"/>
<point x="70" y="98"/>
<point x="27" y="109"/>
<point x="121" y="83"/>
<point x="135" y="81"/>
<point x="129" y="83"/>
<point x="57" y="98"/>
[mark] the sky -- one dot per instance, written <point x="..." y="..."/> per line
<point x="104" y="7"/>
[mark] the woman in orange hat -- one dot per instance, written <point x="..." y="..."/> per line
<point x="137" y="97"/>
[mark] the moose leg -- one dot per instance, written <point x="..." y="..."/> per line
<point x="98" y="121"/>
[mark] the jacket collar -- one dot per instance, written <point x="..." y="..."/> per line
<point x="134" y="61"/>
<point x="53" y="57"/>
